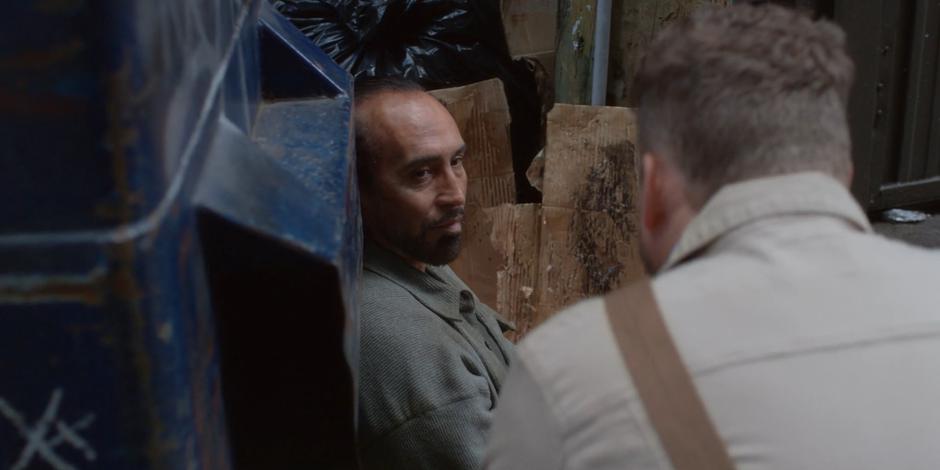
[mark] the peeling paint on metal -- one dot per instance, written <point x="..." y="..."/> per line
<point x="166" y="332"/>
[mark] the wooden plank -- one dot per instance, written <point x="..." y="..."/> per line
<point x="634" y="25"/>
<point x="499" y="261"/>
<point x="574" y="51"/>
<point x="482" y="115"/>
<point x="589" y="234"/>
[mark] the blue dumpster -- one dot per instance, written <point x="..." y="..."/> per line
<point x="180" y="239"/>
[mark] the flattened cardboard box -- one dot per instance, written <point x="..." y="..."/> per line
<point x="529" y="261"/>
<point x="589" y="234"/>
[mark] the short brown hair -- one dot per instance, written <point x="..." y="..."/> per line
<point x="730" y="94"/>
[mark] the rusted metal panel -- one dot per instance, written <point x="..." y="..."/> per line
<point x="118" y="119"/>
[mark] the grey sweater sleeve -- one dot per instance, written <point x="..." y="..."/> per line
<point x="447" y="437"/>
<point x="425" y="400"/>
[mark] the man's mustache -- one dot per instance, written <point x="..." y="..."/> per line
<point x="448" y="217"/>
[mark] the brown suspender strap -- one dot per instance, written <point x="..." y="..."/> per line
<point x="663" y="382"/>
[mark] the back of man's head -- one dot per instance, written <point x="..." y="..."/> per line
<point x="735" y="93"/>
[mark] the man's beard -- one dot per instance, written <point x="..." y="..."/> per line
<point x="436" y="253"/>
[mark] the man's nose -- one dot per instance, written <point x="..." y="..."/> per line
<point x="453" y="190"/>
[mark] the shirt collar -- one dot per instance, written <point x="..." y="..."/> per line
<point x="434" y="288"/>
<point x="742" y="203"/>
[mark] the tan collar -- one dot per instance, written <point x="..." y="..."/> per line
<point x="742" y="203"/>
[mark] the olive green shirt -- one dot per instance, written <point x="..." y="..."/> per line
<point x="432" y="363"/>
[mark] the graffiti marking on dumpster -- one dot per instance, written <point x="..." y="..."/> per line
<point x="40" y="442"/>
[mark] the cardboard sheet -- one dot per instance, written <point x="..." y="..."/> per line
<point x="482" y="115"/>
<point x="589" y="235"/>
<point x="528" y="261"/>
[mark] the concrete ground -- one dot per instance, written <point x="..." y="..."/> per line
<point x="926" y="233"/>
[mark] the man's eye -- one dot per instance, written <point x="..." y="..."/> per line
<point x="457" y="161"/>
<point x="421" y="174"/>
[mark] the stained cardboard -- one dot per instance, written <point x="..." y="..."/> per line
<point x="589" y="235"/>
<point x="529" y="261"/>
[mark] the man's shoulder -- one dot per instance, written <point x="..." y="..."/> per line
<point x="574" y="361"/>
<point x="566" y="327"/>
<point x="557" y="351"/>
<point x="375" y="286"/>
<point x="381" y="293"/>
<point x="822" y="291"/>
<point x="394" y="320"/>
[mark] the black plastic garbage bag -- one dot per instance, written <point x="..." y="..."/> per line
<point x="438" y="43"/>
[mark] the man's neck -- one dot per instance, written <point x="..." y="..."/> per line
<point x="407" y="259"/>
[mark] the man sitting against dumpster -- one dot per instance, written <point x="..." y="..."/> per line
<point x="433" y="357"/>
<point x="812" y="342"/>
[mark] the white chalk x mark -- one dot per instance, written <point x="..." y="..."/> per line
<point x="40" y="443"/>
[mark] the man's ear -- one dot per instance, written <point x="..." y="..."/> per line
<point x="652" y="210"/>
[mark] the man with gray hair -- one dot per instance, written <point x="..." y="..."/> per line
<point x="803" y="339"/>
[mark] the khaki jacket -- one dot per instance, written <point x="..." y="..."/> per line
<point x="814" y="344"/>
